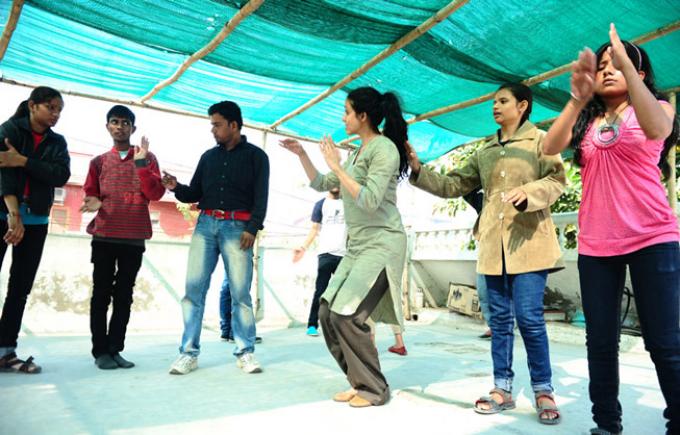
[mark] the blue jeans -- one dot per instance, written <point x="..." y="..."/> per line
<point x="519" y="296"/>
<point x="655" y="275"/>
<point x="483" y="295"/>
<point x="225" y="309"/>
<point x="212" y="238"/>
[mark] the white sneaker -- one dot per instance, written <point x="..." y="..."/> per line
<point x="183" y="365"/>
<point x="248" y="363"/>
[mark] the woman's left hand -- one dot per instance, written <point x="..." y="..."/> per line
<point x="516" y="196"/>
<point x="330" y="153"/>
<point x="617" y="51"/>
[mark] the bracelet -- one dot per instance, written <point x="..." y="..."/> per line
<point x="574" y="96"/>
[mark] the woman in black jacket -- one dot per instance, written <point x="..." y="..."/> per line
<point x="33" y="161"/>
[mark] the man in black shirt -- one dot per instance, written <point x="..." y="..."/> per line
<point x="231" y="186"/>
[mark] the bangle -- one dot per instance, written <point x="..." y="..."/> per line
<point x="574" y="96"/>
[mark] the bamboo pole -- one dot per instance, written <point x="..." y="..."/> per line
<point x="157" y="108"/>
<point x="672" y="188"/>
<point x="411" y="36"/>
<point x="243" y="13"/>
<point x="10" y="26"/>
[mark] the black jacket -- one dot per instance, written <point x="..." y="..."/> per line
<point x="48" y="166"/>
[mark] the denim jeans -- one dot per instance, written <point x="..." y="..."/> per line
<point x="519" y="296"/>
<point x="483" y="295"/>
<point x="655" y="275"/>
<point x="328" y="263"/>
<point x="212" y="238"/>
<point x="225" y="309"/>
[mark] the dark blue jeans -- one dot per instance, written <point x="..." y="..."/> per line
<point x="328" y="263"/>
<point x="655" y="275"/>
<point x="519" y="296"/>
<point x="225" y="309"/>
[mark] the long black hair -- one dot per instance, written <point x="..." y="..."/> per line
<point x="521" y="92"/>
<point x="41" y="94"/>
<point x="379" y="107"/>
<point x="596" y="107"/>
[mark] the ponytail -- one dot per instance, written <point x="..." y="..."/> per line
<point x="22" y="111"/>
<point x="379" y="107"/>
<point x="395" y="128"/>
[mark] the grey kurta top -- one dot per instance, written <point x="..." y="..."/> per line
<point x="376" y="237"/>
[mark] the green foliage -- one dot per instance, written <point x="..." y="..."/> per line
<point x="188" y="214"/>
<point x="571" y="198"/>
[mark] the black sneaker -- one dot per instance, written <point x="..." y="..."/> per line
<point x="226" y="336"/>
<point x="122" y="362"/>
<point x="105" y="362"/>
<point x="258" y="339"/>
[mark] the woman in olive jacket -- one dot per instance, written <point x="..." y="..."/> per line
<point x="33" y="161"/>
<point x="517" y="242"/>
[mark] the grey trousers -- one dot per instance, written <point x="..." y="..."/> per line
<point x="348" y="338"/>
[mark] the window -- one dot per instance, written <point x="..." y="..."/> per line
<point x="59" y="195"/>
<point x="155" y="220"/>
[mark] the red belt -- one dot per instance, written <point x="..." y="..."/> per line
<point x="229" y="215"/>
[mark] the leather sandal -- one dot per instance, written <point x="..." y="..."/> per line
<point x="495" y="407"/>
<point x="545" y="409"/>
<point x="10" y="363"/>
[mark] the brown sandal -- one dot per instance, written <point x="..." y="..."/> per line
<point x="545" y="409"/>
<point x="495" y="407"/>
<point x="10" y="363"/>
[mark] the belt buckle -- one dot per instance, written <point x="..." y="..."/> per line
<point x="219" y="214"/>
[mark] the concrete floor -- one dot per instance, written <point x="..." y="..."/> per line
<point x="433" y="388"/>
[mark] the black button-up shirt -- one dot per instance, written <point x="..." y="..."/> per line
<point x="231" y="180"/>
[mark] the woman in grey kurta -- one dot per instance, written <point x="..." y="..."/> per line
<point x="368" y="279"/>
<point x="517" y="241"/>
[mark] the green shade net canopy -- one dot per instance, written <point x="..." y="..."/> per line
<point x="290" y="51"/>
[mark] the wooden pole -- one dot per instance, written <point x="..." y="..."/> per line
<point x="411" y="36"/>
<point x="245" y="11"/>
<point x="10" y="26"/>
<point x="672" y="188"/>
<point x="157" y="108"/>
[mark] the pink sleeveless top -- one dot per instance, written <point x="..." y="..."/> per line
<point x="624" y="206"/>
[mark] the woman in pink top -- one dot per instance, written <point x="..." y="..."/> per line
<point x="621" y="133"/>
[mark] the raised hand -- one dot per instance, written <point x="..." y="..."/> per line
<point x="293" y="146"/>
<point x="90" y="204"/>
<point x="142" y="150"/>
<point x="330" y="152"/>
<point x="412" y="158"/>
<point x="169" y="181"/>
<point x="583" y="75"/>
<point x="617" y="51"/>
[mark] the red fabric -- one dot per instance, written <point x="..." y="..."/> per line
<point x="125" y="191"/>
<point x="37" y="138"/>
<point x="229" y="215"/>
